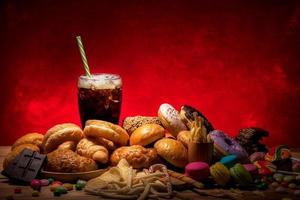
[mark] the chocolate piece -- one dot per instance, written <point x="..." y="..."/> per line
<point x="26" y="166"/>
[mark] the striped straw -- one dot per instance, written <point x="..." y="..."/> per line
<point x="83" y="57"/>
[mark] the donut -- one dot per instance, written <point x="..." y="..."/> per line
<point x="224" y="145"/>
<point x="59" y="134"/>
<point x="186" y="114"/>
<point x="170" y="119"/>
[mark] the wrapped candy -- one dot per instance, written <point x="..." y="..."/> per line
<point x="281" y="152"/>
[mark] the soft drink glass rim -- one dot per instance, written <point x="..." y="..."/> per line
<point x="110" y="77"/>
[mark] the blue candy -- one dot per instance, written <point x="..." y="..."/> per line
<point x="229" y="160"/>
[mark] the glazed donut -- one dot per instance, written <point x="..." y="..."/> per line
<point x="107" y="130"/>
<point x="224" y="145"/>
<point x="29" y="138"/>
<point x="170" y="119"/>
<point x="147" y="134"/>
<point x="59" y="134"/>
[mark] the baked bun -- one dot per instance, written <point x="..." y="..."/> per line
<point x="29" y="138"/>
<point x="184" y="137"/>
<point x="147" y="134"/>
<point x="68" y="145"/>
<point x="59" y="134"/>
<point x="130" y="124"/>
<point x="172" y="151"/>
<point x="65" y="160"/>
<point x="136" y="155"/>
<point x="170" y="119"/>
<point x="104" y="142"/>
<point x="107" y="130"/>
<point x="90" y="149"/>
<point x="16" y="151"/>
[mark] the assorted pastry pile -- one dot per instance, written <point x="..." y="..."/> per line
<point x="139" y="154"/>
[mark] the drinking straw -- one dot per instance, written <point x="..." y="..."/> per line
<point x="83" y="57"/>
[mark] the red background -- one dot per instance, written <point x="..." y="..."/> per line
<point x="236" y="61"/>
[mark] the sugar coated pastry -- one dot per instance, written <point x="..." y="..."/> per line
<point x="224" y="145"/>
<point x="29" y="138"/>
<point x="241" y="175"/>
<point x="147" y="134"/>
<point x="107" y="130"/>
<point x="197" y="170"/>
<point x="220" y="173"/>
<point x="59" y="134"/>
<point x="172" y="151"/>
<point x="186" y="114"/>
<point x="130" y="124"/>
<point x="170" y="119"/>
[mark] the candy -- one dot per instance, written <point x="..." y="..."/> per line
<point x="17" y="190"/>
<point x="81" y="182"/>
<point x="68" y="186"/>
<point x="274" y="185"/>
<point x="35" y="184"/>
<point x="53" y="186"/>
<point x="284" y="184"/>
<point x="35" y="193"/>
<point x="289" y="178"/>
<point x="78" y="186"/>
<point x="257" y="156"/>
<point x="61" y="190"/>
<point x="277" y="175"/>
<point x="281" y="189"/>
<point x="44" y="182"/>
<point x="57" y="182"/>
<point x="51" y="180"/>
<point x="262" y="186"/>
<point x="280" y="152"/>
<point x="265" y="167"/>
<point x="292" y="185"/>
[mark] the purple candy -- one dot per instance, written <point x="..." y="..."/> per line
<point x="44" y="182"/>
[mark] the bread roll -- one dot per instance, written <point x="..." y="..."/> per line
<point x="16" y="151"/>
<point x="184" y="137"/>
<point x="65" y="160"/>
<point x="29" y="138"/>
<point x="68" y="145"/>
<point x="107" y="130"/>
<point x="130" y="124"/>
<point x="109" y="145"/>
<point x="172" y="151"/>
<point x="147" y="134"/>
<point x="90" y="149"/>
<point x="59" y="134"/>
<point x="136" y="155"/>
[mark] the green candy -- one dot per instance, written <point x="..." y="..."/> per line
<point x="262" y="186"/>
<point x="78" y="186"/>
<point x="50" y="180"/>
<point x="81" y="182"/>
<point x="60" y="190"/>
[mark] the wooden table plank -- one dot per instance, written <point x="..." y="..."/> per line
<point x="7" y="188"/>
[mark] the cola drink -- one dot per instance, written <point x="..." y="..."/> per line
<point x="100" y="97"/>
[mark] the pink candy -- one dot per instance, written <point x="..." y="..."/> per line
<point x="36" y="184"/>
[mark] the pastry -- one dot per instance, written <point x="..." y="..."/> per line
<point x="68" y="145"/>
<point x="90" y="149"/>
<point x="224" y="145"/>
<point x="147" y="134"/>
<point x="30" y="138"/>
<point x="186" y="114"/>
<point x="197" y="170"/>
<point x="16" y="151"/>
<point x="220" y="173"/>
<point x="184" y="137"/>
<point x="65" y="160"/>
<point x="104" y="142"/>
<point x="130" y="124"/>
<point x="107" y="130"/>
<point x="229" y="161"/>
<point x="250" y="138"/>
<point x="240" y="175"/>
<point x="136" y="155"/>
<point x="172" y="151"/>
<point x="170" y="119"/>
<point x="59" y="134"/>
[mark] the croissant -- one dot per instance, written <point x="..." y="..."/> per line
<point x="90" y="149"/>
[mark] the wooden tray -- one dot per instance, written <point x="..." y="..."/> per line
<point x="72" y="177"/>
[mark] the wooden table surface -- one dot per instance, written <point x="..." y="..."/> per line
<point x="6" y="188"/>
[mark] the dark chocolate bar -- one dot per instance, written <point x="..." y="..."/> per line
<point x="26" y="166"/>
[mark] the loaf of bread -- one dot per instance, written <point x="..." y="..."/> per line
<point x="29" y="138"/>
<point x="130" y="124"/>
<point x="136" y="155"/>
<point x="59" y="134"/>
<point x="147" y="134"/>
<point x="107" y="130"/>
<point x="90" y="149"/>
<point x="65" y="160"/>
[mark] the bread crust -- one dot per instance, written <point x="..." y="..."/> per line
<point x="29" y="138"/>
<point x="147" y="134"/>
<point x="130" y="124"/>
<point x="59" y="134"/>
<point x="107" y="130"/>
<point x="172" y="151"/>
<point x="184" y="137"/>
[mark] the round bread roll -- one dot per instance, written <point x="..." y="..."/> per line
<point x="147" y="134"/>
<point x="16" y="151"/>
<point x="136" y="155"/>
<point x="172" y="151"/>
<point x="184" y="137"/>
<point x="107" y="130"/>
<point x="29" y="138"/>
<point x="170" y="119"/>
<point x="130" y="124"/>
<point x="59" y="134"/>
